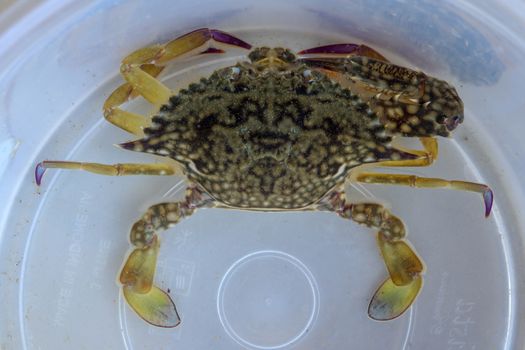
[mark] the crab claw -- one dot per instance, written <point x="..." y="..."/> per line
<point x="391" y="300"/>
<point x="401" y="260"/>
<point x="39" y="172"/>
<point x="223" y="37"/>
<point x="155" y="306"/>
<point x="149" y="302"/>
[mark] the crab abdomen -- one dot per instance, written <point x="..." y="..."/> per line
<point x="267" y="139"/>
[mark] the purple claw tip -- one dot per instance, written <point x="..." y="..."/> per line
<point x="39" y="172"/>
<point x="337" y="48"/>
<point x="229" y="39"/>
<point x="127" y="145"/>
<point x="488" y="198"/>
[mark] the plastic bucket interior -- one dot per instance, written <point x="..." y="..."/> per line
<point x="245" y="280"/>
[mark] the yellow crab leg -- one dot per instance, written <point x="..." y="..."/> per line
<point x="427" y="182"/>
<point x="425" y="157"/>
<point x="141" y="68"/>
<point x="368" y="69"/>
<point x="108" y="169"/>
<point x="149" y="87"/>
<point x="130" y="122"/>
<point x="404" y="266"/>
<point x="328" y="59"/>
<point x="137" y="275"/>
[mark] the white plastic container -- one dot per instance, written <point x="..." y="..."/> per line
<point x="246" y="280"/>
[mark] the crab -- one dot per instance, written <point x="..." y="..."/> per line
<point x="279" y="131"/>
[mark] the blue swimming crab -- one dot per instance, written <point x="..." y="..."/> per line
<point x="279" y="131"/>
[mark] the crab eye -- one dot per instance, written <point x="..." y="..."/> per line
<point x="453" y="122"/>
<point x="288" y="56"/>
<point x="234" y="73"/>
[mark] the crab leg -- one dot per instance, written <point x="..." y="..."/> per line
<point x="406" y="101"/>
<point x="108" y="169"/>
<point x="343" y="50"/>
<point x="329" y="59"/>
<point x="405" y="268"/>
<point x="426" y="182"/>
<point x="375" y="77"/>
<point x="425" y="157"/>
<point x="141" y="68"/>
<point x="147" y="300"/>
<point x="128" y="121"/>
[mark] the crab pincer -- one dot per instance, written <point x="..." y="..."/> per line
<point x="223" y="37"/>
